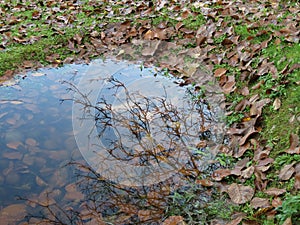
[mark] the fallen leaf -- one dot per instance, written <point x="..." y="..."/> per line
<point x="40" y="181"/>
<point x="31" y="142"/>
<point x="288" y="221"/>
<point x="149" y="215"/>
<point x="294" y="143"/>
<point x="247" y="173"/>
<point x="205" y="182"/>
<point x="72" y="193"/>
<point x="274" y="191"/>
<point x="13" y="155"/>
<point x="174" y="220"/>
<point x="12" y="214"/>
<point x="240" y="194"/>
<point x="14" y="145"/>
<point x="38" y="74"/>
<point x="276" y="104"/>
<point x="286" y="172"/>
<point x="259" y="203"/>
<point x="220" y="174"/>
<point x="297" y="182"/>
<point x="219" y="72"/>
<point x="276" y="202"/>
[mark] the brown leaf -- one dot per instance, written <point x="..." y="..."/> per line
<point x="149" y="35"/>
<point x="294" y="142"/>
<point x="205" y="182"/>
<point x="247" y="173"/>
<point x="250" y="132"/>
<point x="286" y="172"/>
<point x="245" y="91"/>
<point x="240" y="194"/>
<point x="12" y="155"/>
<point x="219" y="72"/>
<point x="40" y="181"/>
<point x="288" y="221"/>
<point x="274" y="191"/>
<point x="31" y="142"/>
<point x="259" y="203"/>
<point x="14" y="144"/>
<point x="236" y="221"/>
<point x="147" y="215"/>
<point x="256" y="108"/>
<point x="276" y="104"/>
<point x="72" y="193"/>
<point x="276" y="202"/>
<point x="220" y="174"/>
<point x="12" y="214"/>
<point x="174" y="220"/>
<point x="37" y="74"/>
<point x="297" y="181"/>
<point x="229" y="85"/>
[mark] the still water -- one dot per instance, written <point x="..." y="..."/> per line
<point x="36" y="141"/>
<point x="40" y="135"/>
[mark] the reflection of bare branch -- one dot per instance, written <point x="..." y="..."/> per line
<point x="145" y="128"/>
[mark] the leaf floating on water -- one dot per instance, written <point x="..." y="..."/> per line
<point x="38" y="74"/>
<point x="16" y="102"/>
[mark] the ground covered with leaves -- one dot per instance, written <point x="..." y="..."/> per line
<point x="251" y="47"/>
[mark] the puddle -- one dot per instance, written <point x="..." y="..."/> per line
<point x="36" y="140"/>
<point x="135" y="127"/>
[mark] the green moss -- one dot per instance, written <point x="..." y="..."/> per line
<point x="194" y="22"/>
<point x="17" y="53"/>
<point x="280" y="124"/>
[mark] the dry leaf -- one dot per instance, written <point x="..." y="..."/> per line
<point x="259" y="203"/>
<point x="240" y="194"/>
<point x="38" y="74"/>
<point x="13" y="155"/>
<point x="12" y="214"/>
<point x="286" y="172"/>
<point x="205" y="182"/>
<point x="276" y="104"/>
<point x="288" y="221"/>
<point x="297" y="181"/>
<point x="219" y="72"/>
<point x="276" y="202"/>
<point x="274" y="191"/>
<point x="14" y="145"/>
<point x="220" y="174"/>
<point x="174" y="220"/>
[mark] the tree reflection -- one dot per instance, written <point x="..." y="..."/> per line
<point x="176" y="135"/>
